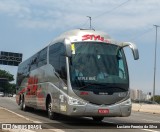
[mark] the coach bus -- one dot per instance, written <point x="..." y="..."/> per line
<point x="80" y="73"/>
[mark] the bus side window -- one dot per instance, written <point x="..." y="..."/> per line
<point x="34" y="62"/>
<point x="42" y="58"/>
<point x="63" y="70"/>
<point x="23" y="71"/>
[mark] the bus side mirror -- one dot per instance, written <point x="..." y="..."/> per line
<point x="67" y="44"/>
<point x="133" y="48"/>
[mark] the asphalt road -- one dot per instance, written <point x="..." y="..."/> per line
<point x="69" y="124"/>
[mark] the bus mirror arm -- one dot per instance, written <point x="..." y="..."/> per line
<point x="133" y="48"/>
<point x="67" y="44"/>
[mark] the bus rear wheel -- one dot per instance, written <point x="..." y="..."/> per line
<point x="22" y="104"/>
<point x="98" y="118"/>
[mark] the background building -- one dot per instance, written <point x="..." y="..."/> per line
<point x="137" y="94"/>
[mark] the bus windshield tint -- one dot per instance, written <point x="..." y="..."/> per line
<point x="100" y="64"/>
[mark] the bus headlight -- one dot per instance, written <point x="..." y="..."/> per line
<point x="73" y="101"/>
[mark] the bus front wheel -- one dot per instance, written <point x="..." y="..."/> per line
<point x="98" y="118"/>
<point x="51" y="115"/>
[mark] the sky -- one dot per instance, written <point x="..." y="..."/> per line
<point x="26" y="26"/>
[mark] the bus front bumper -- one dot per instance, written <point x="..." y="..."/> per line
<point x="122" y="109"/>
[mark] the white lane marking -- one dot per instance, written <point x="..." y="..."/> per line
<point x="20" y="130"/>
<point x="17" y="130"/>
<point x="55" y="130"/>
<point x="109" y="122"/>
<point x="151" y="120"/>
<point x="150" y="130"/>
<point x="37" y="122"/>
<point x="17" y="114"/>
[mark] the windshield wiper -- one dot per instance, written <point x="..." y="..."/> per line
<point x="124" y="89"/>
<point x="91" y="84"/>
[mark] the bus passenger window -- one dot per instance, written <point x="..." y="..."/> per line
<point x="34" y="62"/>
<point x="42" y="59"/>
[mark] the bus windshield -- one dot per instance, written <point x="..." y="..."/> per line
<point x="97" y="65"/>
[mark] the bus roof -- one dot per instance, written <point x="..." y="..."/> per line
<point x="79" y="35"/>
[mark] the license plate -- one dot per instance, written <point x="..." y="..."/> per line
<point x="103" y="111"/>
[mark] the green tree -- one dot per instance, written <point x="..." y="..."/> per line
<point x="5" y="74"/>
<point x="156" y="98"/>
<point x="12" y="88"/>
<point x="7" y="86"/>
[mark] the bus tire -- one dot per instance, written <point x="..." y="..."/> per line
<point x="22" y="104"/>
<point x="51" y="115"/>
<point x="99" y="119"/>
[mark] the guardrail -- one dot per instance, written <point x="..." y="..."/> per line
<point x="151" y="108"/>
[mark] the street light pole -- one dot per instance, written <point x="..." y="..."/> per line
<point x="155" y="57"/>
<point x="90" y="20"/>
